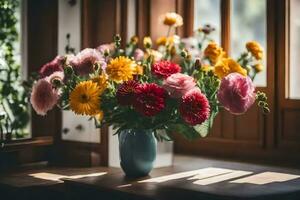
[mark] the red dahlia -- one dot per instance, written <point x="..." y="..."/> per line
<point x="126" y="92"/>
<point x="164" y="69"/>
<point x="149" y="99"/>
<point x="51" y="67"/>
<point x="194" y="107"/>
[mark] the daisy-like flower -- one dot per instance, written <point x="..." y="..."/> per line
<point x="85" y="98"/>
<point x="43" y="97"/>
<point x="121" y="69"/>
<point x="194" y="107"/>
<point x="126" y="92"/>
<point x="101" y="81"/>
<point x="171" y="19"/>
<point x="149" y="99"/>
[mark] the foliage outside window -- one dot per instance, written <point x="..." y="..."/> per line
<point x="14" y="115"/>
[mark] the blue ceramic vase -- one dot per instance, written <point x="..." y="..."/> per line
<point x="137" y="152"/>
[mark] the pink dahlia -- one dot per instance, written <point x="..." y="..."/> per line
<point x="83" y="63"/>
<point x="178" y="84"/>
<point x="138" y="55"/>
<point x="164" y="69"/>
<point x="55" y="76"/>
<point x="149" y="99"/>
<point x="194" y="107"/>
<point x="126" y="92"/>
<point x="53" y="66"/>
<point x="236" y="93"/>
<point x="43" y="97"/>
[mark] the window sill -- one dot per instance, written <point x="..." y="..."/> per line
<point x="26" y="143"/>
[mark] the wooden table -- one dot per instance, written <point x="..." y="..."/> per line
<point x="192" y="178"/>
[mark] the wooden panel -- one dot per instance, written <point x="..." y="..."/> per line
<point x="247" y="126"/>
<point x="291" y="125"/>
<point x="42" y="48"/>
<point x="99" y="22"/>
<point x="157" y="8"/>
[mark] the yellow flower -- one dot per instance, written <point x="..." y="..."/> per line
<point x="156" y="54"/>
<point x="121" y="69"/>
<point x="101" y="81"/>
<point x="139" y="70"/>
<point x="227" y="66"/>
<point x="163" y="41"/>
<point x="171" y="19"/>
<point x="214" y="52"/>
<point x="99" y="115"/>
<point x="255" y="49"/>
<point x="85" y="98"/>
<point x="147" y="42"/>
<point x="134" y="39"/>
<point x="258" y="67"/>
<point x="207" y="68"/>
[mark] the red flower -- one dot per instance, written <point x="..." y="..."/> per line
<point x="194" y="107"/>
<point x="126" y="92"/>
<point x="51" y="67"/>
<point x="164" y="69"/>
<point x="149" y="99"/>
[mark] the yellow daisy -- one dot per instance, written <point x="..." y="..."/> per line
<point x="85" y="98"/>
<point x="101" y="81"/>
<point x="121" y="69"/>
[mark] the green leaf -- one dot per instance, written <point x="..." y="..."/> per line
<point x="203" y="129"/>
<point x="184" y="129"/>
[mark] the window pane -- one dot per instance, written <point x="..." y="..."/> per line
<point x="248" y="22"/>
<point x="294" y="49"/>
<point x="208" y="12"/>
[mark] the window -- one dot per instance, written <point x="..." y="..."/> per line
<point x="208" y="12"/>
<point x="14" y="112"/>
<point x="248" y="22"/>
<point x="294" y="49"/>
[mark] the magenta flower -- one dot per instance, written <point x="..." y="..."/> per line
<point x="53" y="66"/>
<point x="138" y="54"/>
<point x="178" y="84"/>
<point x="83" y="62"/>
<point x="43" y="97"/>
<point x="236" y="93"/>
<point x="194" y="107"/>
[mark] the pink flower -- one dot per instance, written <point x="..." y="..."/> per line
<point x="236" y="93"/>
<point x="55" y="76"/>
<point x="194" y="107"/>
<point x="53" y="66"/>
<point x="178" y="84"/>
<point x="138" y="55"/>
<point x="43" y="97"/>
<point x="106" y="47"/>
<point x="83" y="62"/>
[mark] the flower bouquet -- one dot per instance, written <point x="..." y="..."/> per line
<point x="176" y="87"/>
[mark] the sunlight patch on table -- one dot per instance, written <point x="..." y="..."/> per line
<point x="267" y="177"/>
<point x="194" y="174"/>
<point x="58" y="177"/>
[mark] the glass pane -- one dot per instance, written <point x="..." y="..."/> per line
<point x="208" y="12"/>
<point x="248" y="22"/>
<point x="294" y="49"/>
